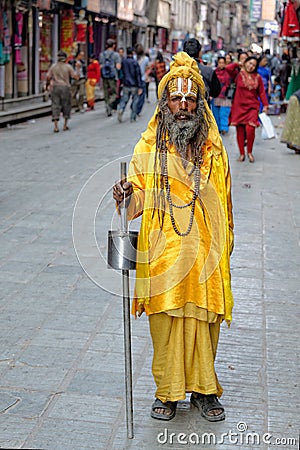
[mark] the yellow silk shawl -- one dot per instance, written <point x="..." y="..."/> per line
<point x="171" y="270"/>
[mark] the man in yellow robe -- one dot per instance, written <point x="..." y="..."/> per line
<point x="179" y="181"/>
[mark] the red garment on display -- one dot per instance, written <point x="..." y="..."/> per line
<point x="245" y="106"/>
<point x="91" y="34"/>
<point x="290" y="28"/>
<point x="81" y="32"/>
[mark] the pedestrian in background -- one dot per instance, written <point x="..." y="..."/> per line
<point x="181" y="284"/>
<point x="143" y="61"/>
<point x="120" y="75"/>
<point x="265" y="72"/>
<point x="245" y="106"/>
<point x="78" y="85"/>
<point x="148" y="77"/>
<point x="213" y="87"/>
<point x="59" y="76"/>
<point x="284" y="72"/>
<point x="93" y="78"/>
<point x="110" y="63"/>
<point x="132" y="86"/>
<point x="159" y="69"/>
<point x="221" y="105"/>
<point x="228" y="58"/>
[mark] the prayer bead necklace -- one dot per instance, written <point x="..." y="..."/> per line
<point x="196" y="169"/>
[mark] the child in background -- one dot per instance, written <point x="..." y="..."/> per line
<point x="276" y="94"/>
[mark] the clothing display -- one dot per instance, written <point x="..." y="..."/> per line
<point x="290" y="25"/>
<point x="294" y="83"/>
<point x="18" y="37"/>
<point x="291" y="131"/>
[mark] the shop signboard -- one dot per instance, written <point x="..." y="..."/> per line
<point x="125" y="10"/>
<point x="268" y="10"/>
<point x="255" y="10"/>
<point x="163" y="14"/>
<point x="67" y="31"/>
<point x="109" y="7"/>
<point x="139" y="7"/>
<point x="93" y="5"/>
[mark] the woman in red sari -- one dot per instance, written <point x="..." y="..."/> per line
<point x="245" y="106"/>
<point x="93" y="78"/>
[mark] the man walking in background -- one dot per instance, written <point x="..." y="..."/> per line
<point x="59" y="76"/>
<point x="213" y="87"/>
<point x="132" y="85"/>
<point x="110" y="63"/>
<point x="78" y="86"/>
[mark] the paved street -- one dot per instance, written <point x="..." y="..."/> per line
<point x="61" y="338"/>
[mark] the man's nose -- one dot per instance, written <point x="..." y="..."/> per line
<point x="183" y="104"/>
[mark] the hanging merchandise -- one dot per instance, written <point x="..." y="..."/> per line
<point x="81" y="26"/>
<point x="2" y="80"/>
<point x="45" y="46"/>
<point x="1" y="34"/>
<point x="290" y="27"/>
<point x="91" y="36"/>
<point x="66" y="31"/>
<point x="6" y="39"/>
<point x="18" y="37"/>
<point x="294" y="84"/>
<point x="91" y="32"/>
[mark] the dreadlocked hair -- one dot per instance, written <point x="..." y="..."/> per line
<point x="163" y="138"/>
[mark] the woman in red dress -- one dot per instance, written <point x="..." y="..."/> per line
<point x="93" y="78"/>
<point x="245" y="106"/>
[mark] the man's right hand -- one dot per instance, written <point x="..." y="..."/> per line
<point x="120" y="190"/>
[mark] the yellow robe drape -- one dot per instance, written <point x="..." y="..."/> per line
<point x="184" y="356"/>
<point x="174" y="271"/>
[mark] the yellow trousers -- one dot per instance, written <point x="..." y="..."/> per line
<point x="184" y="354"/>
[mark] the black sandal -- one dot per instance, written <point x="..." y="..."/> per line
<point x="207" y="403"/>
<point x="168" y="406"/>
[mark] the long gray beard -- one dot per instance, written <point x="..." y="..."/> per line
<point x="193" y="131"/>
<point x="182" y="132"/>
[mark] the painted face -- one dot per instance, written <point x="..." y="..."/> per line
<point x="182" y="96"/>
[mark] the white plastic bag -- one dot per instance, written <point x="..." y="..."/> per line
<point x="267" y="131"/>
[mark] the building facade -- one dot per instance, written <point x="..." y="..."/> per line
<point x="32" y="31"/>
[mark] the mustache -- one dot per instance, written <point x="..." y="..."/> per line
<point x="186" y="114"/>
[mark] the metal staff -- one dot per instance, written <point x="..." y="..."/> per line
<point x="122" y="245"/>
<point x="126" y="320"/>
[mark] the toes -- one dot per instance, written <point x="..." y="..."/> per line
<point x="166" y="412"/>
<point x="215" y="412"/>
